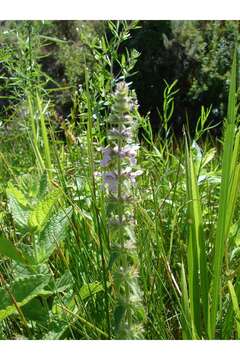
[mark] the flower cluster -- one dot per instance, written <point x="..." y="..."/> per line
<point x="119" y="164"/>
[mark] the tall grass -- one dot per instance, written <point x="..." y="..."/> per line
<point x="227" y="199"/>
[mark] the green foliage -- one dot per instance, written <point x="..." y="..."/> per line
<point x="9" y="250"/>
<point x="197" y="262"/>
<point x="20" y="292"/>
<point x="197" y="54"/>
<point x="210" y="44"/>
<point x="31" y="215"/>
<point x="228" y="194"/>
<point x="57" y="264"/>
<point x="53" y="233"/>
<point x="40" y="215"/>
<point x="19" y="212"/>
<point x="89" y="290"/>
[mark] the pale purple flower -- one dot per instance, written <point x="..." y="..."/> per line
<point x="130" y="151"/>
<point x="131" y="175"/>
<point x="134" y="175"/>
<point x="124" y="133"/>
<point x="120" y="173"/>
<point x="106" y="157"/>
<point x="110" y="178"/>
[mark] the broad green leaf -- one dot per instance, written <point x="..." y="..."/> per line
<point x="29" y="185"/>
<point x="21" y="291"/>
<point x="19" y="213"/>
<point x="8" y="249"/>
<point x="53" y="233"/>
<point x="15" y="193"/>
<point x="40" y="215"/>
<point x="17" y="204"/>
<point x="36" y="310"/>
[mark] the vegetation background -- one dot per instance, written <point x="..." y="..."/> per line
<point x="197" y="54"/>
<point x="60" y="276"/>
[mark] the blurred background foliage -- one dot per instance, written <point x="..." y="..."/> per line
<point x="195" y="53"/>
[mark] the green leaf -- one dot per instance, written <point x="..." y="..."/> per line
<point x="64" y="282"/>
<point x="197" y="262"/>
<point x="16" y="194"/>
<point x="185" y="313"/>
<point x="19" y="213"/>
<point x="22" y="291"/>
<point x="91" y="289"/>
<point x="36" y="311"/>
<point x="40" y="215"/>
<point x="208" y="157"/>
<point x="29" y="185"/>
<point x="43" y="184"/>
<point x="8" y="249"/>
<point x="53" y="233"/>
<point x="61" y="284"/>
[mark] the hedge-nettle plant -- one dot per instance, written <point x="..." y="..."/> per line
<point x="120" y="171"/>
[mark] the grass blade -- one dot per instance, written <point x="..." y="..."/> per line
<point x="197" y="263"/>
<point x="228" y="192"/>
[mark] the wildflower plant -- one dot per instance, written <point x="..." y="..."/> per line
<point x="120" y="171"/>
